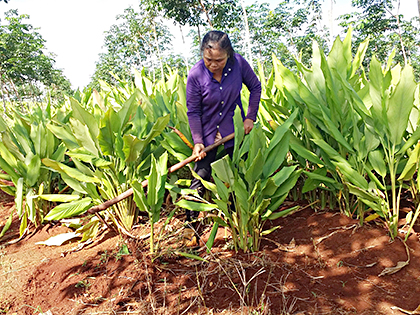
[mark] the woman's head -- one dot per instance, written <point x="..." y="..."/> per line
<point x="217" y="40"/>
<point x="216" y="48"/>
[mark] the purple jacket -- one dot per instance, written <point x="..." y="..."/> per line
<point x="211" y="105"/>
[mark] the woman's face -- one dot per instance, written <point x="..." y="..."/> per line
<point x="215" y="59"/>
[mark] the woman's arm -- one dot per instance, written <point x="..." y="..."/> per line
<point x="194" y="107"/>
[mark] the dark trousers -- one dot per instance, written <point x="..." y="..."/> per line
<point x="203" y="168"/>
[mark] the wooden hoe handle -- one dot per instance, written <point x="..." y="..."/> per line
<point x="144" y="183"/>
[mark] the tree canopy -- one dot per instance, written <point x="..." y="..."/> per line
<point x="26" y="70"/>
<point x="135" y="42"/>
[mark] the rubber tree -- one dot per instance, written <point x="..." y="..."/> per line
<point x="26" y="69"/>
<point x="134" y="42"/>
<point x="386" y="29"/>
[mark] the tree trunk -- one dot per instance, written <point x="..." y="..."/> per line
<point x="247" y="37"/>
<point x="185" y="54"/>
<point x="2" y="95"/>
<point x="158" y="51"/>
<point x="332" y="23"/>
<point x="199" y="36"/>
<point x="203" y="8"/>
<point x="418" y="7"/>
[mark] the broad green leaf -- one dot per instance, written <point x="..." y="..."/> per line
<point x="110" y="126"/>
<point x="196" y="206"/>
<point x="73" y="183"/>
<point x="400" y="105"/>
<point x="412" y="164"/>
<point x="19" y="197"/>
<point x="223" y="170"/>
<point x="297" y="146"/>
<point x="8" y="158"/>
<point x="255" y="170"/>
<point x="376" y="159"/>
<point x="190" y="256"/>
<point x="275" y="155"/>
<point x="375" y="91"/>
<point x="58" y="198"/>
<point x="139" y="196"/>
<point x="72" y="172"/>
<point x="85" y="118"/>
<point x="281" y="176"/>
<point x="175" y="146"/>
<point x="134" y="147"/>
<point x="83" y="136"/>
<point x="278" y="147"/>
<point x="65" y="135"/>
<point x="208" y="185"/>
<point x="344" y="167"/>
<point x="360" y="55"/>
<point x="367" y="197"/>
<point x="34" y="168"/>
<point x="239" y="134"/>
<point x="68" y="210"/>
<point x="58" y="155"/>
<point x="7" y="224"/>
<point x="128" y="110"/>
<point x="9" y="170"/>
<point x="283" y="213"/>
<point x="212" y="236"/>
<point x="411" y="141"/>
<point x="241" y="195"/>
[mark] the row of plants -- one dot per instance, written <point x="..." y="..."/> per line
<point x="335" y="134"/>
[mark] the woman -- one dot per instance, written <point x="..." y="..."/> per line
<point x="213" y="91"/>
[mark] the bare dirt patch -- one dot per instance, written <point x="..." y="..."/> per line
<point x="315" y="263"/>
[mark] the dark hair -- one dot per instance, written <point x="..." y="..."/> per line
<point x="219" y="37"/>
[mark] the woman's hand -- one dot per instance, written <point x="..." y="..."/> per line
<point x="198" y="151"/>
<point x="248" y="125"/>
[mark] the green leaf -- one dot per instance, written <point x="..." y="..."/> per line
<point x="254" y="172"/>
<point x="65" y="135"/>
<point x="83" y="136"/>
<point x="72" y="172"/>
<point x="7" y="224"/>
<point x="19" y="197"/>
<point x="376" y="159"/>
<point x="134" y="147"/>
<point x="34" y="168"/>
<point x="412" y="165"/>
<point x="195" y="206"/>
<point x="111" y="125"/>
<point x="85" y="118"/>
<point x="190" y="256"/>
<point x="9" y="170"/>
<point x="139" y="196"/>
<point x="297" y="146"/>
<point x="58" y="198"/>
<point x="241" y="195"/>
<point x="68" y="210"/>
<point x="223" y="170"/>
<point x="283" y="213"/>
<point x="239" y="134"/>
<point x="212" y="236"/>
<point x="400" y="105"/>
<point x="278" y="147"/>
<point x="221" y="189"/>
<point x="343" y="166"/>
